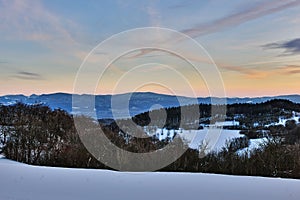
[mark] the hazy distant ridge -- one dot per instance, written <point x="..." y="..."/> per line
<point x="139" y="102"/>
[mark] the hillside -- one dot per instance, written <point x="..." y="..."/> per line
<point x="24" y="182"/>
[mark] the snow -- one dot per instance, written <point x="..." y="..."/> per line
<point x="256" y="124"/>
<point x="227" y="123"/>
<point x="283" y="120"/>
<point x="215" y="137"/>
<point x="254" y="144"/>
<point x="214" y="143"/>
<point x="24" y="182"/>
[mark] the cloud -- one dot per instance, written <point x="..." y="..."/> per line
<point x="154" y="15"/>
<point x="240" y="17"/>
<point x="261" y="71"/>
<point x="152" y="52"/>
<point x="289" y="69"/>
<point x="294" y="71"/>
<point x="31" y="21"/>
<point x="249" y="73"/>
<point x="291" y="47"/>
<point x="142" y="53"/>
<point x="27" y="75"/>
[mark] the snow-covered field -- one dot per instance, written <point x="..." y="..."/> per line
<point x="215" y="138"/>
<point x="24" y="182"/>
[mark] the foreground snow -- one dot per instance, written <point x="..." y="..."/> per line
<point x="24" y="182"/>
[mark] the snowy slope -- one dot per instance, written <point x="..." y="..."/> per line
<point x="194" y="138"/>
<point x="24" y="182"/>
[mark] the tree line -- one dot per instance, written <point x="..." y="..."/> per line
<point x="38" y="135"/>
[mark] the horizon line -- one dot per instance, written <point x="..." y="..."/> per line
<point x="109" y="94"/>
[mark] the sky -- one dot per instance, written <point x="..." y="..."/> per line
<point x="255" y="45"/>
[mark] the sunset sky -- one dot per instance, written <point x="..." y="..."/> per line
<point x="254" y="43"/>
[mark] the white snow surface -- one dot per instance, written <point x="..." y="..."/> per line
<point x="216" y="138"/>
<point x="25" y="182"/>
<point x="216" y="141"/>
<point x="254" y="144"/>
<point x="282" y="120"/>
<point x="227" y="123"/>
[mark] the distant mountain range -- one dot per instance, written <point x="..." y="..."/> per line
<point x="138" y="102"/>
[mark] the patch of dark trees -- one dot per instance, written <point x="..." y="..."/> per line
<point x="246" y="113"/>
<point x="37" y="135"/>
